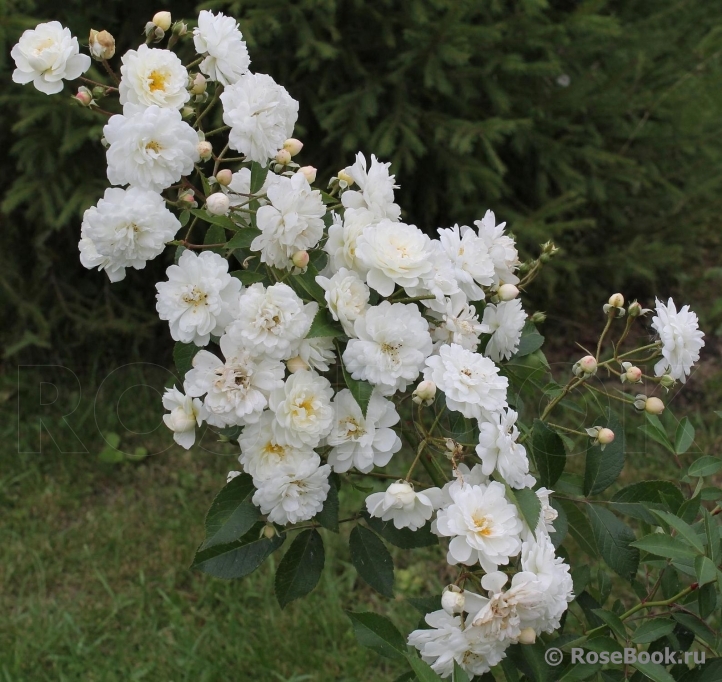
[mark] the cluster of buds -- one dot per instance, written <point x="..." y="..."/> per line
<point x="631" y="374"/>
<point x="425" y="393"/>
<point x="155" y="29"/>
<point x="651" y="405"/>
<point x="586" y="367"/>
<point x="601" y="436"/>
<point x="101" y="45"/>
<point x="615" y="306"/>
<point x="291" y="147"/>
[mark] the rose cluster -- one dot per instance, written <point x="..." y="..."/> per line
<point x="403" y="314"/>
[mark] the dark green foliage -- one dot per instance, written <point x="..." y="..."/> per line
<point x="622" y="166"/>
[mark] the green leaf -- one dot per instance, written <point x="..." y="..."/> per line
<point x="184" y="217"/>
<point x="258" y="176"/>
<point x="613" y="621"/>
<point x="654" y="671"/>
<point x="707" y="600"/>
<point x="403" y="537"/>
<point x="217" y="220"/>
<point x="372" y="560"/>
<point x="328" y="516"/>
<point x="243" y="238"/>
<point x="528" y="504"/>
<point x="613" y="539"/>
<point x="651" y="630"/>
<point x="683" y="529"/>
<point x="232" y="513"/>
<point x="714" y="549"/>
<point x="301" y="567"/>
<point x="248" y="277"/>
<point x="423" y="670"/>
<point x="323" y="325"/>
<point x="459" y="674"/>
<point x="579" y="671"/>
<point x="215" y="235"/>
<point x="655" y="430"/>
<point x="378" y="633"/>
<point x="684" y="437"/>
<point x="579" y="528"/>
<point x="307" y="281"/>
<point x="360" y="390"/>
<point x="705" y="466"/>
<point x="651" y="491"/>
<point x="183" y="354"/>
<point x="550" y="455"/>
<point x="531" y="340"/>
<point x="603" y="466"/>
<point x="705" y="570"/>
<point x="660" y="544"/>
<point x="561" y="524"/>
<point x="239" y="558"/>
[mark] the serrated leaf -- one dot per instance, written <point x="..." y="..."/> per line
<point x="614" y="541"/>
<point x="249" y="277"/>
<point x="654" y="671"/>
<point x="550" y="455"/>
<point x="528" y="504"/>
<point x="232" y="513"/>
<point x="258" y="176"/>
<point x="372" y="560"/>
<point x="604" y="466"/>
<point x="301" y="567"/>
<point x="378" y="633"/>
<point x="651" y="630"/>
<point x="403" y="537"/>
<point x="531" y="340"/>
<point x="328" y="516"/>
<point x="183" y="354"/>
<point x="243" y="238"/>
<point x="684" y="437"/>
<point x="666" y="546"/>
<point x="683" y="529"/>
<point x="239" y="558"/>
<point x="651" y="491"/>
<point x="423" y="670"/>
<point x="613" y="621"/>
<point x="360" y="390"/>
<point x="324" y="325"/>
<point x="705" y="466"/>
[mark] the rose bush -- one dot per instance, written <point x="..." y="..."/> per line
<point x="330" y="341"/>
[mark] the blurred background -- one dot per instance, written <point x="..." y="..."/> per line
<point x="596" y="124"/>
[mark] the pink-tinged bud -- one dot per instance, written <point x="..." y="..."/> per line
<point x="224" y="177"/>
<point x="654" y="406"/>
<point x="283" y="157"/>
<point x="101" y="44"/>
<point x="588" y="364"/>
<point x="425" y="393"/>
<point x="188" y="197"/>
<point x="162" y="20"/>
<point x="296" y="364"/>
<point x="300" y="259"/>
<point x="199" y="85"/>
<point x="527" y="636"/>
<point x="205" y="150"/>
<point x="605" y="436"/>
<point x="218" y="204"/>
<point x="616" y="300"/>
<point x="84" y="96"/>
<point x="309" y="172"/>
<point x="293" y="146"/>
<point x="507" y="292"/>
<point x="633" y="374"/>
<point x="343" y="175"/>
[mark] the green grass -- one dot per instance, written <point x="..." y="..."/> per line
<point x="96" y="586"/>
